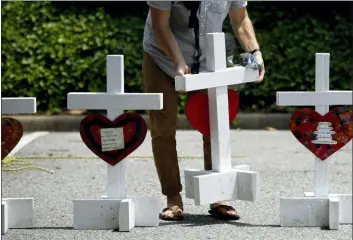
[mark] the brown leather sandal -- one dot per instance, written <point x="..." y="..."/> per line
<point x="177" y="214"/>
<point x="215" y="212"/>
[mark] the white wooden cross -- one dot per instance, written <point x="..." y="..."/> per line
<point x="17" y="212"/>
<point x="296" y="211"/>
<point x="117" y="211"/>
<point x="223" y="182"/>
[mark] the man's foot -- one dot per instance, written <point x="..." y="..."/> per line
<point x="172" y="214"/>
<point x="174" y="209"/>
<point x="223" y="211"/>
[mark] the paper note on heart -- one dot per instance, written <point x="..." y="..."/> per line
<point x="197" y="112"/>
<point x="113" y="141"/>
<point x="322" y="135"/>
<point x="11" y="134"/>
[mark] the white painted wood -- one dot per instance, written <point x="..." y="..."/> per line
<point x="220" y="131"/>
<point x="146" y="211"/>
<point x="231" y="185"/>
<point x="126" y="215"/>
<point x="115" y="75"/>
<point x="100" y="214"/>
<point x="217" y="75"/>
<point x="314" y="98"/>
<point x="115" y="101"/>
<point x="189" y="175"/>
<point x="304" y="212"/>
<point x="96" y="214"/>
<point x="4" y="218"/>
<point x="242" y="167"/>
<point x="334" y="213"/>
<point x="322" y="98"/>
<point x="130" y="101"/>
<point x="220" y="183"/>
<point x="345" y="206"/>
<point x="215" y="187"/>
<point x="115" y="85"/>
<point x="215" y="52"/>
<point x="309" y="194"/>
<point x="248" y="185"/>
<point x="25" y="140"/>
<point x="19" y="105"/>
<point x="322" y="83"/>
<point x="226" y="77"/>
<point x="20" y="212"/>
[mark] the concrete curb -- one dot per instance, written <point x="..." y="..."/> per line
<point x="72" y="123"/>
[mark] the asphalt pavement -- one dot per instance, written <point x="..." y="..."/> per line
<point x="285" y="166"/>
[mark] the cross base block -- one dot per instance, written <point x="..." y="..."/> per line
<point x="122" y="214"/>
<point x="345" y="206"/>
<point x="16" y="213"/>
<point x="311" y="211"/>
<point x="207" y="187"/>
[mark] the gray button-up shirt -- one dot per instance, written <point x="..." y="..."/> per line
<point x="211" y="15"/>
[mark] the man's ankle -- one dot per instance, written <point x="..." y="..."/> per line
<point x="175" y="201"/>
<point x="173" y="197"/>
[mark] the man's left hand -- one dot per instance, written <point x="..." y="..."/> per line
<point x="260" y="61"/>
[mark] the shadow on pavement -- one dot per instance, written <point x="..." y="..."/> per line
<point x="191" y="220"/>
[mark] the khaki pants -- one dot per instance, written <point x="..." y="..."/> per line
<point x="163" y="128"/>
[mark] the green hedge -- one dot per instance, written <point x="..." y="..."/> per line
<point x="49" y="50"/>
<point x="46" y="53"/>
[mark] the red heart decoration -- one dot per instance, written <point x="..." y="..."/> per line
<point x="11" y="134"/>
<point x="197" y="112"/>
<point x="123" y="135"/>
<point x="304" y="125"/>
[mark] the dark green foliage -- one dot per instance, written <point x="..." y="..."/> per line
<point x="51" y="48"/>
<point x="47" y="53"/>
<point x="289" y="40"/>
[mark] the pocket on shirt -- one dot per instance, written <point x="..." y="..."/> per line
<point x="218" y="7"/>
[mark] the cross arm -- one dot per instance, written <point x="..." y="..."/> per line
<point x="100" y="101"/>
<point x="314" y="98"/>
<point x="18" y="105"/>
<point x="224" y="77"/>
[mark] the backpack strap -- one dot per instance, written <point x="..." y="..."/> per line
<point x="193" y="6"/>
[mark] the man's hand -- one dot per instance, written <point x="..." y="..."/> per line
<point x="182" y="69"/>
<point x="260" y="61"/>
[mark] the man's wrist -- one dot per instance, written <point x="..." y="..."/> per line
<point x="255" y="50"/>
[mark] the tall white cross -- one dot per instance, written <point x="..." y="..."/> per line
<point x="318" y="208"/>
<point x="205" y="186"/>
<point x="321" y="98"/>
<point x="17" y="212"/>
<point x="217" y="79"/>
<point x="115" y="101"/>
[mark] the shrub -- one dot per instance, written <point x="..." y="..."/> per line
<point x="47" y="53"/>
<point x="289" y="45"/>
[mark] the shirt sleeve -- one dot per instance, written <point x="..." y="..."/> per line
<point x="238" y="4"/>
<point x="161" y="5"/>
